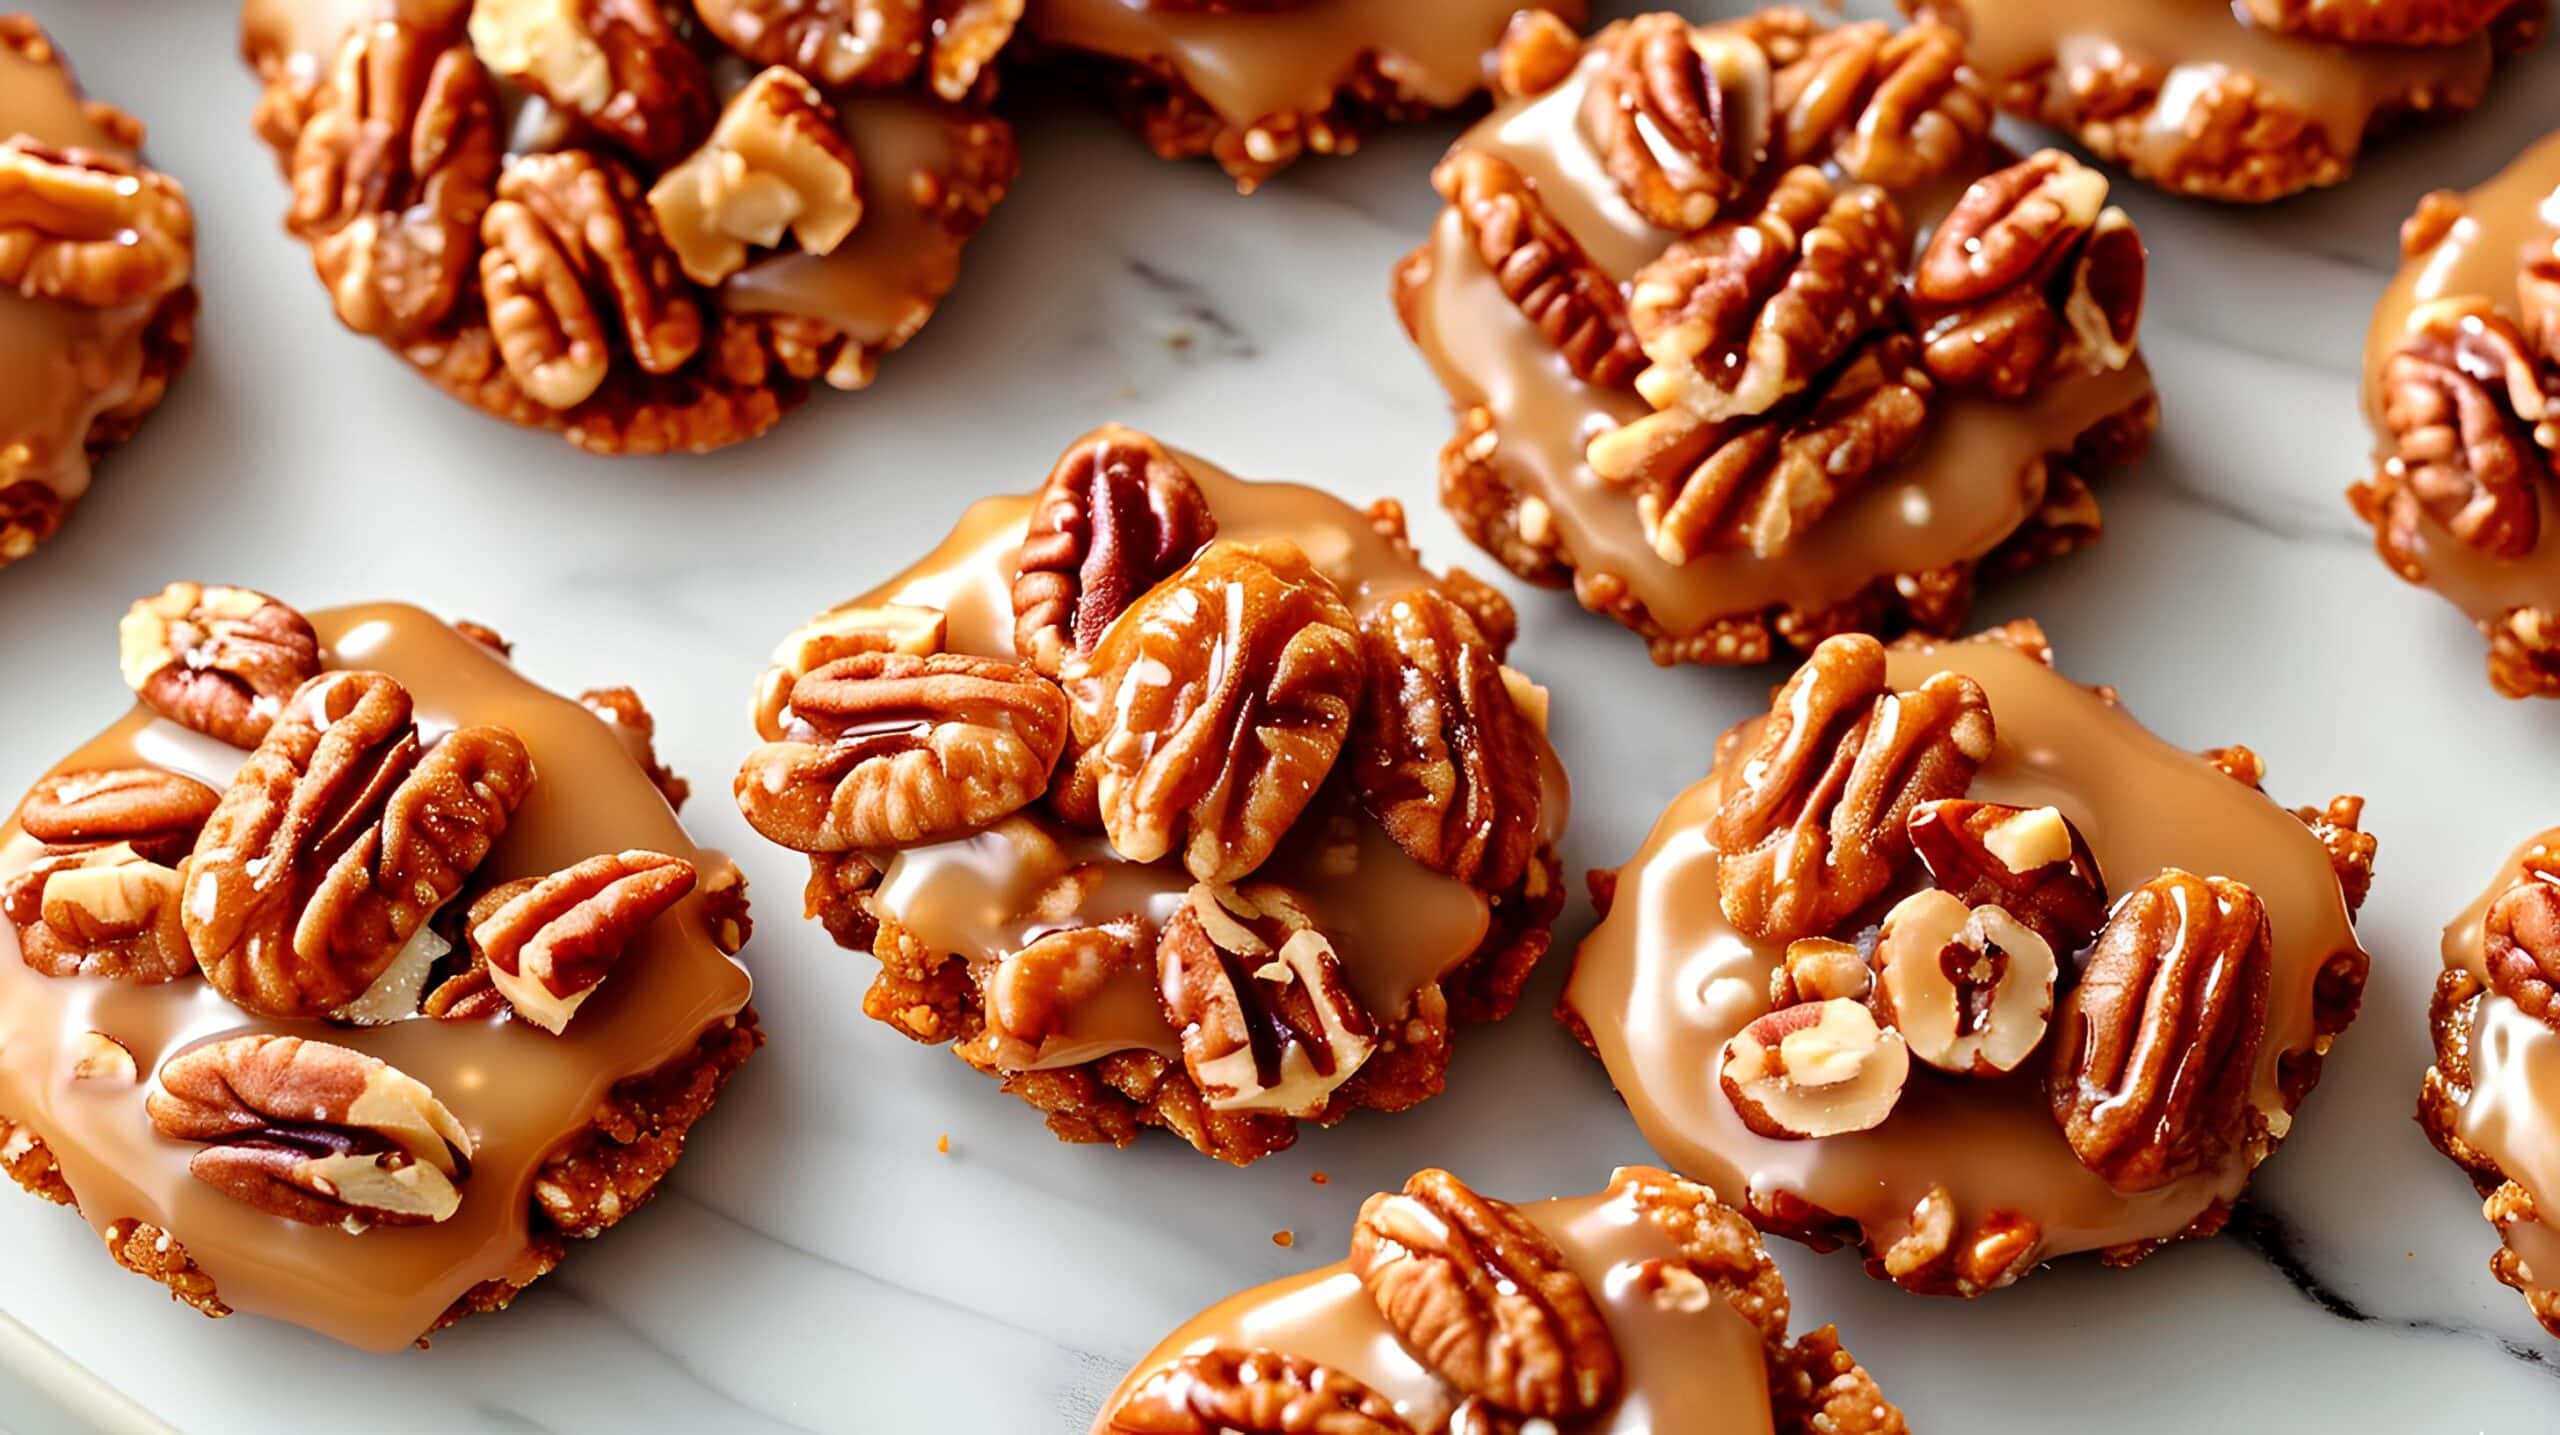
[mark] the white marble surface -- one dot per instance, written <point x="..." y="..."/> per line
<point x="816" y="1264"/>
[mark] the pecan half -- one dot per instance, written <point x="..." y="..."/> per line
<point x="1810" y="827"/>
<point x="1212" y="711"/>
<point x="99" y="912"/>
<point x="2521" y="944"/>
<point x="841" y="632"/>
<point x="1444" y="758"/>
<point x="1680" y="116"/>
<point x="1751" y="310"/>
<point x="1891" y="107"/>
<point x="869" y="44"/>
<point x="617" y="64"/>
<point x="572" y="258"/>
<point x="157" y="812"/>
<point x="2030" y="275"/>
<point x="2029" y="860"/>
<point x="1540" y="267"/>
<point x="549" y="942"/>
<point x="313" y="1132"/>
<point x="2461" y="398"/>
<point x="2156" y="1050"/>
<point x="84" y="227"/>
<point x="390" y="176"/>
<point x="1227" y="1391"/>
<point x="1969" y="987"/>
<point x="889" y="750"/>
<point x="1485" y="1299"/>
<point x="1813" y="1070"/>
<point x="339" y="837"/>
<point x="776" y="163"/>
<point x="1257" y="993"/>
<point x="1116" y="516"/>
<point x="216" y="659"/>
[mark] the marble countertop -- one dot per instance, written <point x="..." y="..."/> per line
<point x="817" y="1263"/>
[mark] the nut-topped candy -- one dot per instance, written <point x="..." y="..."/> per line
<point x="2491" y="1099"/>
<point x="647" y="233"/>
<point x="1756" y="336"/>
<point x="346" y="926"/>
<point x="2462" y="388"/>
<point x="2246" y="102"/>
<point x="97" y="299"/>
<point x="1172" y="799"/>
<point x="1256" y="84"/>
<point x="1647" y="1307"/>
<point x="1951" y="961"/>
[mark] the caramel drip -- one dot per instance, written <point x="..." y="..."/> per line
<point x="1665" y="981"/>
<point x="1253" y="66"/>
<point x="2513" y="1116"/>
<point x="1973" y="478"/>
<point x="521" y="1091"/>
<point x="881" y="284"/>
<point x="2196" y="44"/>
<point x="1396" y="925"/>
<point x="67" y="363"/>
<point x="1704" y="1370"/>
<point x="2515" y="214"/>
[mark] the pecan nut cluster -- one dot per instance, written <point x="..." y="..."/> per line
<point x="335" y="878"/>
<point x="1923" y="934"/>
<point x="539" y="202"/>
<point x="1174" y="713"/>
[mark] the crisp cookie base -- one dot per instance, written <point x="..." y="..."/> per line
<point x="1486" y="506"/>
<point x="931" y="996"/>
<point x="2442" y="1094"/>
<point x="600" y="1176"/>
<point x="2242" y="144"/>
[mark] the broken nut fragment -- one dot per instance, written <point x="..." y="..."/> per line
<point x="1117" y="515"/>
<point x="99" y="912"/>
<point x="2520" y="944"/>
<point x="1034" y="990"/>
<point x="1969" y="988"/>
<point x="891" y="750"/>
<point x="2029" y="861"/>
<point x="841" y="632"/>
<point x="1818" y="969"/>
<point x="549" y="942"/>
<point x="313" y="1132"/>
<point x="1485" y="1299"/>
<point x="1812" y="1070"/>
<point x="776" y="163"/>
<point x="617" y="64"/>
<point x="215" y="659"/>
<point x="1257" y="993"/>
<point x="97" y="1056"/>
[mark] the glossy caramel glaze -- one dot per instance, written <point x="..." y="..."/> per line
<point x="2511" y="1113"/>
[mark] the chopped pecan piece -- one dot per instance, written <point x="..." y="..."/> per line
<point x="549" y="942"/>
<point x="1680" y="116"/>
<point x="571" y="255"/>
<point x="1034" y="991"/>
<point x="869" y="44"/>
<point x="216" y="659"/>
<point x="341" y="835"/>
<point x="2028" y="860"/>
<point x="1117" y="516"/>
<point x="776" y="163"/>
<point x="99" y="912"/>
<point x="1816" y="969"/>
<point x="617" y="64"/>
<point x="89" y="228"/>
<point x="1813" y="1070"/>
<point x="1541" y="268"/>
<point x="313" y="1132"/>
<point x="2521" y="944"/>
<point x="908" y="628"/>
<point x="390" y="176"/>
<point x="2031" y="274"/>
<point x="1257" y="993"/>
<point x="157" y="812"/>
<point x="1537" y="53"/>
<point x="889" y="750"/>
<point x="2156" y="1050"/>
<point x="1444" y="758"/>
<point x="1485" y="1299"/>
<point x="1212" y="711"/>
<point x="100" y="1057"/>
<point x="1227" y="1391"/>
<point x="1810" y="827"/>
<point x="2461" y="401"/>
<point x="1891" y="107"/>
<point x="1751" y="310"/>
<point x="1969" y="987"/>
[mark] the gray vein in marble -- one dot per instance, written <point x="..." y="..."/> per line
<point x="2264" y="1231"/>
<point x="1213" y="334"/>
